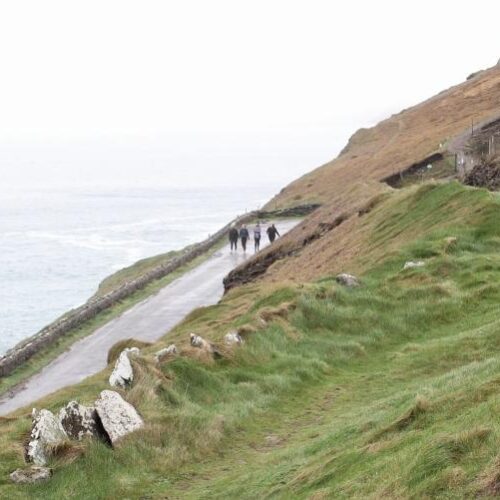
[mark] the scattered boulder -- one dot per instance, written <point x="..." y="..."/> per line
<point x="118" y="417"/>
<point x="46" y="433"/>
<point x="347" y="280"/>
<point x="412" y="264"/>
<point x="171" y="350"/>
<point x="233" y="338"/>
<point x="30" y="475"/>
<point x="79" y="421"/>
<point x="123" y="374"/>
<point x="200" y="342"/>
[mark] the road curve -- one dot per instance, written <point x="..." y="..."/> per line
<point x="148" y="320"/>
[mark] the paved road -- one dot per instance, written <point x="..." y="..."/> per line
<point x="148" y="320"/>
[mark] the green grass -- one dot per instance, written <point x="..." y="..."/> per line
<point x="389" y="390"/>
<point x="134" y="271"/>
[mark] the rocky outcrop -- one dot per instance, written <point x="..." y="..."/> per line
<point x="46" y="433"/>
<point x="118" y="417"/>
<point x="413" y="264"/>
<point x="79" y="421"/>
<point x="233" y="338"/>
<point x="296" y="211"/>
<point x="171" y="350"/>
<point x="347" y="280"/>
<point x="31" y="475"/>
<point x="111" y="419"/>
<point x="123" y="374"/>
<point x="200" y="342"/>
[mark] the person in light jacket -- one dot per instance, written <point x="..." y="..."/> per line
<point x="256" y="236"/>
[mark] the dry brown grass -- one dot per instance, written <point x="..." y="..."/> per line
<point x="268" y="314"/>
<point x="399" y="141"/>
<point x="115" y="350"/>
<point x="67" y="452"/>
<point x="420" y="407"/>
<point x="246" y="331"/>
<point x="201" y="355"/>
<point x="489" y="481"/>
<point x="449" y="244"/>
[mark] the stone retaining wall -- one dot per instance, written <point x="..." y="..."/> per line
<point x="27" y="348"/>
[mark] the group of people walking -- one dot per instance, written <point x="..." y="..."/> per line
<point x="243" y="234"/>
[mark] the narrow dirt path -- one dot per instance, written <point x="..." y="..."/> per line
<point x="149" y="320"/>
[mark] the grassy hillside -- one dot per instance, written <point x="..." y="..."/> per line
<point x="386" y="390"/>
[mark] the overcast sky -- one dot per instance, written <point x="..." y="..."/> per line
<point x="169" y="92"/>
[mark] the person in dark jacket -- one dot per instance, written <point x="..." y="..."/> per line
<point x="272" y="232"/>
<point x="233" y="238"/>
<point x="244" y="235"/>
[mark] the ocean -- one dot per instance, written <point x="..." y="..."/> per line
<point x="57" y="245"/>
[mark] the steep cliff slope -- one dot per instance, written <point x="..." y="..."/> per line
<point x="398" y="142"/>
<point x="330" y="240"/>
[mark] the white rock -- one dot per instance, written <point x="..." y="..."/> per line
<point x="273" y="440"/>
<point x="78" y="421"/>
<point x="347" y="280"/>
<point x="46" y="432"/>
<point x="30" y="475"/>
<point x="233" y="338"/>
<point x="118" y="417"/>
<point x="412" y="264"/>
<point x="123" y="374"/>
<point x="171" y="350"/>
<point x="200" y="342"/>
